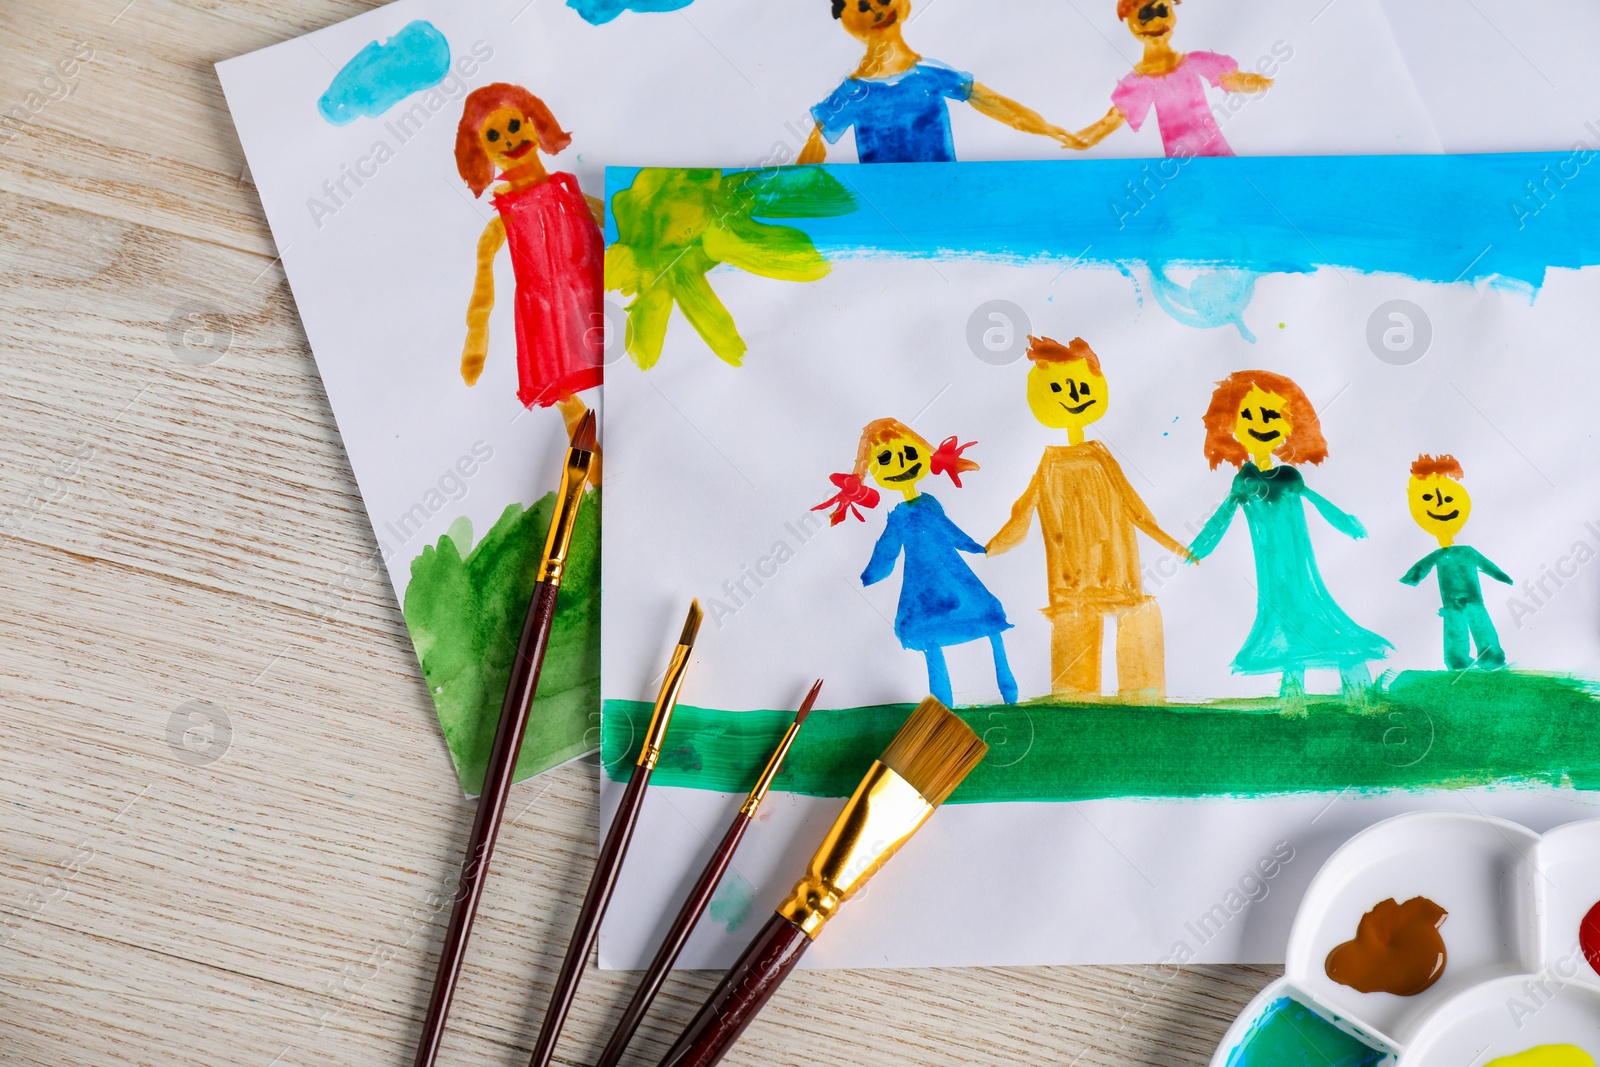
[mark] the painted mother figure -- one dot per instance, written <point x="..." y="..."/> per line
<point x="1254" y="417"/>
<point x="557" y="252"/>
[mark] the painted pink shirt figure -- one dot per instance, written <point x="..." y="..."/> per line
<point x="1179" y="97"/>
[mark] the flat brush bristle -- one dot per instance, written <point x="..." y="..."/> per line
<point x="805" y="705"/>
<point x="934" y="751"/>
<point x="583" y="436"/>
<point x="691" y="625"/>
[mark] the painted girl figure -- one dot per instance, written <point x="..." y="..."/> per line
<point x="1173" y="83"/>
<point x="942" y="602"/>
<point x="557" y="251"/>
<point x="1255" y="416"/>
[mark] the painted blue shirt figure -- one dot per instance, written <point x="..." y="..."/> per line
<point x="942" y="602"/>
<point x="898" y="101"/>
<point x="899" y="119"/>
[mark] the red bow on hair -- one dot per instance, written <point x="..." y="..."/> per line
<point x="851" y="493"/>
<point x="948" y="460"/>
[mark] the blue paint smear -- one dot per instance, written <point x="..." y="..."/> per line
<point x="1289" y="1034"/>
<point x="600" y="12"/>
<point x="386" y="72"/>
<point x="1439" y="219"/>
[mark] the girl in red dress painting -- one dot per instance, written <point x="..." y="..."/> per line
<point x="556" y="249"/>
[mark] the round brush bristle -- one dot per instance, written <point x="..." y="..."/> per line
<point x="934" y="751"/>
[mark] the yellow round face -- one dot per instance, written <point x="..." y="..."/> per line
<point x="899" y="463"/>
<point x="866" y="19"/>
<point x="1439" y="504"/>
<point x="1066" y="395"/>
<point x="1262" y="424"/>
<point x="507" y="137"/>
<point x="1155" y="19"/>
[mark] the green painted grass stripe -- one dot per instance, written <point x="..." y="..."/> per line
<point x="1424" y="730"/>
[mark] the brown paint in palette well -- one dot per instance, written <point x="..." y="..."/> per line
<point x="1397" y="949"/>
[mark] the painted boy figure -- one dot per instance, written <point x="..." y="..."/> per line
<point x="896" y="99"/>
<point x="1090" y="516"/>
<point x="1440" y="505"/>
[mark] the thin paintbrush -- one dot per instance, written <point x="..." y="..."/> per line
<point x="508" y="736"/>
<point x="700" y="895"/>
<point x="924" y="763"/>
<point x="615" y="846"/>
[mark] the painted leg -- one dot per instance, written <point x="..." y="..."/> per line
<point x="1141" y="655"/>
<point x="1075" y="639"/>
<point x="1490" y="655"/>
<point x="1002" y="670"/>
<point x="1356" y="681"/>
<point x="938" y="676"/>
<point x="1457" y="649"/>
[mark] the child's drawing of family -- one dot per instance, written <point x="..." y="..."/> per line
<point x="1259" y="422"/>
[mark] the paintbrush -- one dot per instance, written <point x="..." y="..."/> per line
<point x="615" y="846"/>
<point x="700" y="896"/>
<point x="924" y="763"/>
<point x="514" y="713"/>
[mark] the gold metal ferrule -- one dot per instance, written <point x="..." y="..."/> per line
<point x="764" y="783"/>
<point x="568" y="498"/>
<point x="666" y="701"/>
<point x="882" y="814"/>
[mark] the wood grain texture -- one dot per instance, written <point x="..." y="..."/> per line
<point x="228" y="813"/>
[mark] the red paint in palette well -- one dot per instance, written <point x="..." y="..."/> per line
<point x="1589" y="937"/>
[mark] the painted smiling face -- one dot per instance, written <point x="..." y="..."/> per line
<point x="1440" y="504"/>
<point x="1066" y="395"/>
<point x="1263" y="424"/>
<point x="507" y="138"/>
<point x="899" y="463"/>
<point x="1155" y="19"/>
<point x="868" y="19"/>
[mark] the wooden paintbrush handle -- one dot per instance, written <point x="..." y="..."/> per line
<point x="677" y="936"/>
<point x="744" y="992"/>
<point x="497" y="777"/>
<point x="607" y="866"/>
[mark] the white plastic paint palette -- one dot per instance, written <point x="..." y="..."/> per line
<point x="1516" y="975"/>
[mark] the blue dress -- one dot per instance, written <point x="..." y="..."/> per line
<point x="899" y="119"/>
<point x="1298" y="624"/>
<point x="941" y="600"/>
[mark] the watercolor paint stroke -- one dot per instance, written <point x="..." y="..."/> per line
<point x="1424" y="730"/>
<point x="385" y="72"/>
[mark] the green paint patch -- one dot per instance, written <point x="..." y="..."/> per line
<point x="465" y="607"/>
<point x="1289" y="1034"/>
<point x="1422" y="730"/>
<point x="733" y="901"/>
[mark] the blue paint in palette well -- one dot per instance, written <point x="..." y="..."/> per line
<point x="1289" y="1034"/>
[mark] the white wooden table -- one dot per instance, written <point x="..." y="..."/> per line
<point x="226" y="804"/>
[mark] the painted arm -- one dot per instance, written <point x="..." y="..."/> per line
<point x="1109" y="124"/>
<point x="1340" y="520"/>
<point x="1142" y="516"/>
<point x="1006" y="110"/>
<point x="1016" y="528"/>
<point x="884" y="553"/>
<point x="476" y="350"/>
<point x="597" y="208"/>
<point x="816" y="149"/>
<point x="1486" y="565"/>
<point x="1244" y="81"/>
<point x="1419" y="570"/>
<point x="1211" y="533"/>
<point x="962" y="541"/>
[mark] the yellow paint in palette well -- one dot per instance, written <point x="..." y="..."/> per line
<point x="1546" y="1056"/>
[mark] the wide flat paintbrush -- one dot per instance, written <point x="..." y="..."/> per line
<point x="924" y="763"/>
<point x="700" y="896"/>
<point x="508" y="736"/>
<point x="615" y="846"/>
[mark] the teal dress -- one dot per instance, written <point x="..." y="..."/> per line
<point x="1298" y="625"/>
